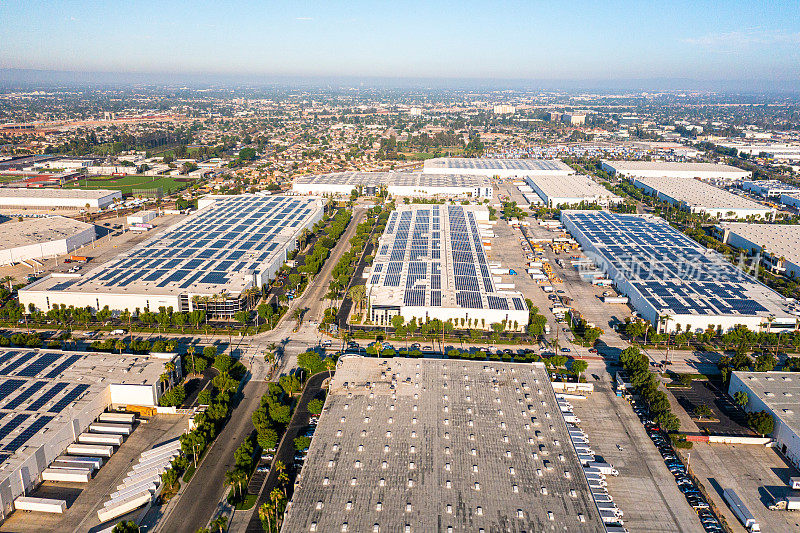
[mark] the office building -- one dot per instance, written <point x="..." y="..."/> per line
<point x="671" y="280"/>
<point x="769" y="188"/>
<point x="431" y="263"/>
<point x="40" y="198"/>
<point x="421" y="445"/>
<point x="574" y="119"/>
<point x="414" y="184"/>
<point x="671" y="169"/>
<point x="502" y="168"/>
<point x="775" y="393"/>
<point x="42" y="238"/>
<point x="558" y="191"/>
<point x="49" y="397"/>
<point x="778" y="244"/>
<point x="504" y="109"/>
<point x="208" y="261"/>
<point x="700" y="197"/>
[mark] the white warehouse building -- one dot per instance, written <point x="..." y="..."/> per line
<point x="42" y="238"/>
<point x="776" y="393"/>
<point x="672" y="169"/>
<point x="431" y="264"/>
<point x="570" y="190"/>
<point x="700" y="197"/>
<point x="52" y="398"/>
<point x="778" y="244"/>
<point x="414" y="184"/>
<point x="44" y="198"/>
<point x="502" y="168"/>
<point x="207" y="261"/>
<point x="671" y="280"/>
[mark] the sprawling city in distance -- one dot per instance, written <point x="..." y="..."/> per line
<point x="358" y="267"/>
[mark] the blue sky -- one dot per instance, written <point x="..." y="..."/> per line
<point x="552" y="40"/>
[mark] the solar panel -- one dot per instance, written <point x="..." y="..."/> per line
<point x="40" y="364"/>
<point x="68" y="398"/>
<point x="7" y="387"/>
<point x="24" y="395"/>
<point x="496" y="302"/>
<point x="13" y="424"/>
<point x="13" y="365"/>
<point x="27" y="433"/>
<point x="59" y="369"/>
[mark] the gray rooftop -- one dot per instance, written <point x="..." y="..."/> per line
<point x="422" y="445"/>
<point x="699" y="194"/>
<point x="780" y="391"/>
<point x="671" y="166"/>
<point x="39" y="230"/>
<point x="397" y="179"/>
<point x="89" y="194"/>
<point x="552" y="166"/>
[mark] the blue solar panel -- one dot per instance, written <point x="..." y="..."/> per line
<point x="27" y="433"/>
<point x="40" y="364"/>
<point x="68" y="398"/>
<point x="24" y="395"/>
<point x="13" y="365"/>
<point x="13" y="424"/>
<point x="59" y="369"/>
<point x="9" y="386"/>
<point x="48" y="395"/>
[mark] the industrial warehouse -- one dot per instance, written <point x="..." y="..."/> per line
<point x="395" y="184"/>
<point x="431" y="264"/>
<point x="558" y="191"/>
<point x="502" y="168"/>
<point x="208" y="261"/>
<point x="670" y="169"/>
<point x="769" y="188"/>
<point x="41" y="238"/>
<point x="699" y="197"/>
<point x="48" y="399"/>
<point x="672" y="281"/>
<point x="775" y="393"/>
<point x="418" y="445"/>
<point x="778" y="244"/>
<point x="41" y="198"/>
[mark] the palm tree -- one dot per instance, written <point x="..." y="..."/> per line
<point x="190" y="350"/>
<point x="277" y="497"/>
<point x="8" y="280"/>
<point x="220" y="523"/>
<point x="232" y="479"/>
<point x="170" y="368"/>
<point x="265" y="515"/>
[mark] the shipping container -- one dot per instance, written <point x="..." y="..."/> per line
<point x="124" y="506"/>
<point x="100" y="438"/>
<point x="42" y="505"/>
<point x="97" y="450"/>
<point x="117" y="418"/>
<point x="73" y="475"/>
<point x="117" y="429"/>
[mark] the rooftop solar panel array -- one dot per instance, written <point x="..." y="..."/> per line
<point x="235" y="235"/>
<point x="672" y="271"/>
<point x="430" y="252"/>
<point x="540" y="165"/>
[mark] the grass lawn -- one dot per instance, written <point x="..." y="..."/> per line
<point x="126" y="184"/>
<point x="187" y="476"/>
<point x="248" y="502"/>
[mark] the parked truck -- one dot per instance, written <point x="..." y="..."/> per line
<point x="789" y="503"/>
<point x="605" y="468"/>
<point x="741" y="511"/>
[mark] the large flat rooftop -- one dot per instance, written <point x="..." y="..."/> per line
<point x="432" y="256"/>
<point x="779" y="240"/>
<point x="779" y="391"/>
<point x="221" y="248"/>
<point x="699" y="195"/>
<point x="34" y="193"/>
<point x="674" y="168"/>
<point x="41" y="390"/>
<point x="672" y="272"/>
<point x="574" y="188"/>
<point x="423" y="445"/>
<point x="39" y="230"/>
<point x="393" y="179"/>
<point x="484" y="164"/>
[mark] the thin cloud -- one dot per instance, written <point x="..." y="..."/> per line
<point x="745" y="38"/>
<point x="305" y="19"/>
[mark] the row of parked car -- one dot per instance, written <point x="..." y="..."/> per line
<point x="685" y="483"/>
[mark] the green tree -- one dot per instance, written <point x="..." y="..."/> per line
<point x="761" y="422"/>
<point x="315" y="406"/>
<point x="302" y="443"/>
<point x="126" y="527"/>
<point x="741" y="398"/>
<point x="579" y="366"/>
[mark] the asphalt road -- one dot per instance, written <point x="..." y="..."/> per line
<point x="312" y="298"/>
<point x="199" y="500"/>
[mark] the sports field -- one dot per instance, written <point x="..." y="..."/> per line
<point x="126" y="184"/>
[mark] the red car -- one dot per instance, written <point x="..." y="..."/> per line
<point x="592" y="350"/>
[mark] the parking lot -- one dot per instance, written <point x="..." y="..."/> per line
<point x="728" y="419"/>
<point x="645" y="490"/>
<point x="755" y="473"/>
